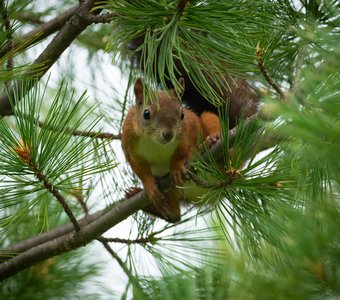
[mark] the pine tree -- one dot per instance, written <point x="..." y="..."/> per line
<point x="266" y="223"/>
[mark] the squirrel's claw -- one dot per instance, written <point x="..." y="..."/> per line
<point x="131" y="191"/>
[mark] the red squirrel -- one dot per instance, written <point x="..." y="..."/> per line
<point x="160" y="139"/>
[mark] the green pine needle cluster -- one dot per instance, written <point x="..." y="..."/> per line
<point x="306" y="267"/>
<point x="56" y="278"/>
<point x="265" y="225"/>
<point x="198" y="35"/>
<point x="34" y="153"/>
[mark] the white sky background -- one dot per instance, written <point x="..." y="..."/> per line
<point x="109" y="85"/>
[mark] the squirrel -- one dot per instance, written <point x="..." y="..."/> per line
<point x="158" y="139"/>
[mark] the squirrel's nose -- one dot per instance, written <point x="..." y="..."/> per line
<point x="168" y="135"/>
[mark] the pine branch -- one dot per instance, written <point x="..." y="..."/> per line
<point x="25" y="156"/>
<point x="48" y="186"/>
<point x="90" y="134"/>
<point x="6" y="254"/>
<point x="7" y="24"/>
<point x="79" y="196"/>
<point x="73" y="240"/>
<point x="259" y="54"/>
<point x="270" y="80"/>
<point x="42" y="31"/>
<point x="68" y="33"/>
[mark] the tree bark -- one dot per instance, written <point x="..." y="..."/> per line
<point x="6" y="254"/>
<point x="73" y="240"/>
<point x="68" y="33"/>
<point x="42" y="31"/>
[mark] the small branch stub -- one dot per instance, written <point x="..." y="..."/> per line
<point x="182" y="5"/>
<point x="259" y="54"/>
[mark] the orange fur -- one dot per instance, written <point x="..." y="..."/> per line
<point x="210" y="125"/>
<point x="157" y="141"/>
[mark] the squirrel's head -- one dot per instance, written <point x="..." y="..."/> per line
<point x="162" y="122"/>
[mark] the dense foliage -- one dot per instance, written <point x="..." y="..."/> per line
<point x="265" y="225"/>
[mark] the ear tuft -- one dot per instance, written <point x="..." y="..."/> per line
<point x="139" y="91"/>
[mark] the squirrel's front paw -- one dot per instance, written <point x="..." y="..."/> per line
<point x="179" y="173"/>
<point x="212" y="139"/>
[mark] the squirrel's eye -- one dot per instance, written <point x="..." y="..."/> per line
<point x="146" y="114"/>
<point x="182" y="115"/>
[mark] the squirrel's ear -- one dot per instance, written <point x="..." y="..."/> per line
<point x="182" y="84"/>
<point x="139" y="91"/>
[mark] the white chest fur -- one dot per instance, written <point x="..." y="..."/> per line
<point x="157" y="155"/>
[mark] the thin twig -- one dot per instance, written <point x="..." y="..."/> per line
<point x="41" y="32"/>
<point x="7" y="24"/>
<point x="149" y="239"/>
<point x="182" y="4"/>
<point x="77" y="193"/>
<point x="208" y="185"/>
<point x="120" y="262"/>
<point x="259" y="52"/>
<point x="96" y="19"/>
<point x="270" y="80"/>
<point x="25" y="155"/>
<point x="83" y="133"/>
<point x="51" y="188"/>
